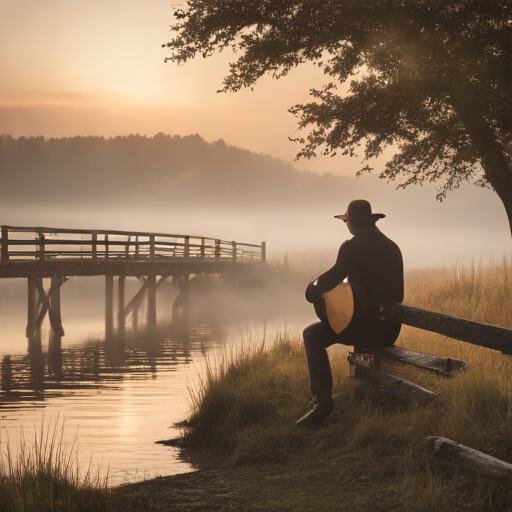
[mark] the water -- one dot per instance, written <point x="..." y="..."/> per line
<point x="110" y="399"/>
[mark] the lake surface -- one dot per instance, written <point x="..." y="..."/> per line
<point x="110" y="398"/>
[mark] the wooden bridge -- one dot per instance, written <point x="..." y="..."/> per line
<point x="38" y="253"/>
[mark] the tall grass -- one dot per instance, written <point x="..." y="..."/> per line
<point x="248" y="401"/>
<point x="46" y="475"/>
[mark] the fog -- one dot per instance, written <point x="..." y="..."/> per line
<point x="186" y="185"/>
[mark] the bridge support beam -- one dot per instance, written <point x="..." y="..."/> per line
<point x="54" y="313"/>
<point x="120" y="303"/>
<point x="31" y="307"/>
<point x="151" y="311"/>
<point x="47" y="302"/>
<point x="109" y="306"/>
<point x="180" y="307"/>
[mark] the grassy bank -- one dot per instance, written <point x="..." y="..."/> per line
<point x="248" y="401"/>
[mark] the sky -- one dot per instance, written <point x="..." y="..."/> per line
<point x="96" y="67"/>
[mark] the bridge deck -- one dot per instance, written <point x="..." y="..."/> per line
<point x="47" y="252"/>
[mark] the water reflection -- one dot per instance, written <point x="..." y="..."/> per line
<point x="117" y="395"/>
<point x="99" y="363"/>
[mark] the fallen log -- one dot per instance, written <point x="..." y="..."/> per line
<point x="450" y="452"/>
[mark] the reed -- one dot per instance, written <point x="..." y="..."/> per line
<point x="46" y="475"/>
<point x="247" y="403"/>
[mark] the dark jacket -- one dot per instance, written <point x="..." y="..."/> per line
<point x="374" y="262"/>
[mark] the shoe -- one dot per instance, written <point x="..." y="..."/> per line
<point x="316" y="415"/>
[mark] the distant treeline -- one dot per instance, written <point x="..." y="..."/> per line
<point x="170" y="170"/>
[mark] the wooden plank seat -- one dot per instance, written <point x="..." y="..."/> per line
<point x="366" y="367"/>
<point x="445" y="366"/>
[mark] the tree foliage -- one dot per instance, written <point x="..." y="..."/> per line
<point x="433" y="77"/>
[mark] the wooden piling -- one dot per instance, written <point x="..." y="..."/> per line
<point x="151" y="314"/>
<point x="120" y="303"/>
<point x="109" y="305"/>
<point x="55" y="308"/>
<point x="42" y="302"/>
<point x="31" y="307"/>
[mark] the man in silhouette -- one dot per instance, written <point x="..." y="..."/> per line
<point x="373" y="265"/>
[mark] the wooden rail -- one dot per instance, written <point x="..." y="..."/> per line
<point x="40" y="244"/>
<point x="483" y="335"/>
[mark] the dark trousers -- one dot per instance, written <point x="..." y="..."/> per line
<point x="319" y="336"/>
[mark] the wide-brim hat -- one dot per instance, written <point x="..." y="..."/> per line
<point x="360" y="209"/>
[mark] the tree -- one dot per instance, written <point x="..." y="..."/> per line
<point x="432" y="77"/>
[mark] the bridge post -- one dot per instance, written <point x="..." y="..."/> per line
<point x="233" y="244"/>
<point x="202" y="247"/>
<point x="54" y="313"/>
<point x="152" y="248"/>
<point x="186" y="252"/>
<point x="120" y="303"/>
<point x="94" y="243"/>
<point x="263" y="252"/>
<point x="106" y="248"/>
<point x="109" y="305"/>
<point x="31" y="307"/>
<point x="41" y="249"/>
<point x="5" y="244"/>
<point x="151" y="316"/>
<point x="217" y="249"/>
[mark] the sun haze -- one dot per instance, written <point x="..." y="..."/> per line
<point x="92" y="67"/>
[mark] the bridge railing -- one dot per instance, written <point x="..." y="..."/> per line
<point x="41" y="244"/>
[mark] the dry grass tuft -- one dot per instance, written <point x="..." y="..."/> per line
<point x="48" y="477"/>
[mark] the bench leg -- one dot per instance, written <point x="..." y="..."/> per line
<point x="376" y="353"/>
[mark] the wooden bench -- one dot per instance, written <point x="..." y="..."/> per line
<point x="366" y="366"/>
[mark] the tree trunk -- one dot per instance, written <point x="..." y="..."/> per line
<point x="492" y="155"/>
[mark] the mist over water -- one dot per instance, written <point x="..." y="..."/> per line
<point x="114" y="398"/>
<point x="186" y="185"/>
